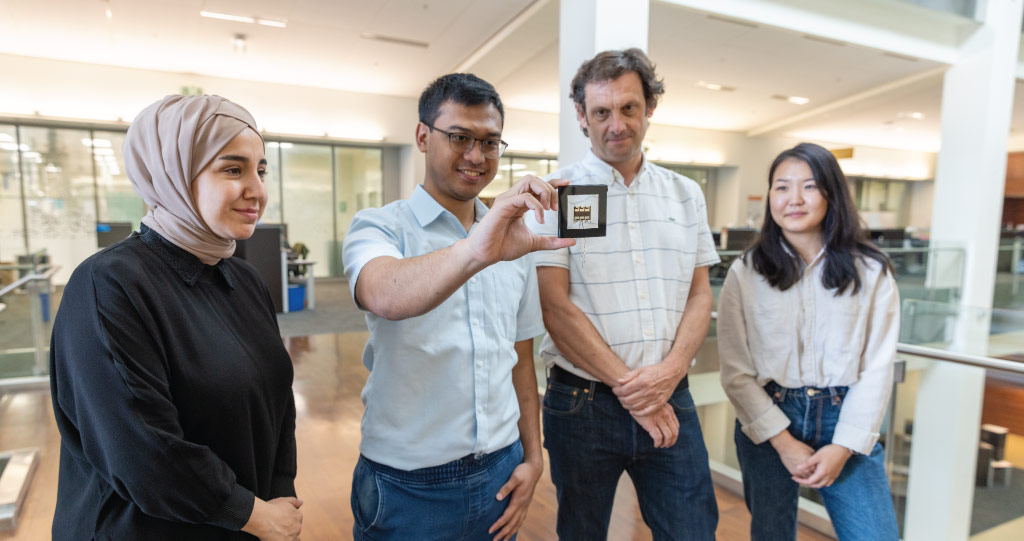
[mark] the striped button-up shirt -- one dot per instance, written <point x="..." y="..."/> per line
<point x="634" y="282"/>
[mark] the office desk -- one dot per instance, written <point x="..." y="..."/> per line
<point x="310" y="280"/>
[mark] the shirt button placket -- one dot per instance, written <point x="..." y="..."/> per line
<point x="480" y="348"/>
<point x="643" y="294"/>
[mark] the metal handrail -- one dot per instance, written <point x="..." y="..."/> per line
<point x="961" y="358"/>
<point x="980" y="361"/>
<point x="46" y="275"/>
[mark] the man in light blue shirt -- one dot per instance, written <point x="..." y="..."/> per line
<point x="451" y="433"/>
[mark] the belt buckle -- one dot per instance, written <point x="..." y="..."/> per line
<point x="813" y="392"/>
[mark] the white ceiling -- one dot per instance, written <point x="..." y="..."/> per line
<point x="322" y="47"/>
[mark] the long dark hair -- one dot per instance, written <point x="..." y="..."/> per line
<point x="841" y="232"/>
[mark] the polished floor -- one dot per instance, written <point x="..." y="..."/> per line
<point x="328" y="378"/>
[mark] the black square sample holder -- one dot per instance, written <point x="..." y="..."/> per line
<point x="577" y="215"/>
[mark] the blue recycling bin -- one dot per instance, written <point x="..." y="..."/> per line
<point x="296" y="297"/>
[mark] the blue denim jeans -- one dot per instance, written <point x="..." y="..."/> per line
<point x="858" y="502"/>
<point x="591" y="439"/>
<point x="453" y="501"/>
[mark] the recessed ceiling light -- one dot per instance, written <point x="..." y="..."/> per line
<point x="271" y="22"/>
<point x="392" y="39"/>
<point x="911" y="114"/>
<point x="796" y="100"/>
<point x="243" y="19"/>
<point x="715" y="86"/>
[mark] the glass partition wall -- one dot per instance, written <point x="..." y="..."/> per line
<point x="57" y="182"/>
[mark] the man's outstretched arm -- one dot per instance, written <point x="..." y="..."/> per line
<point x="396" y="289"/>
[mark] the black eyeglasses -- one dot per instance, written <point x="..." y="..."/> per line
<point x="463" y="143"/>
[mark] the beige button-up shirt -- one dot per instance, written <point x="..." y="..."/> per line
<point x="807" y="336"/>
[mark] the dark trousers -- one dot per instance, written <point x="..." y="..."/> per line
<point x="591" y="439"/>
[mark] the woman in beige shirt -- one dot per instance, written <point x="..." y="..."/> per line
<point x="808" y="320"/>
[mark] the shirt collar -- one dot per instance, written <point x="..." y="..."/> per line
<point x="808" y="267"/>
<point x="427" y="209"/>
<point x="186" y="265"/>
<point x="609" y="173"/>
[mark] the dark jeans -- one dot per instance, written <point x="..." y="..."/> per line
<point x="858" y="502"/>
<point x="453" y="501"/>
<point x="591" y="439"/>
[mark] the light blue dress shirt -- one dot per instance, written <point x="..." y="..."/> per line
<point x="440" y="384"/>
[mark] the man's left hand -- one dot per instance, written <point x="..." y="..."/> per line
<point x="520" y="487"/>
<point x="644" y="390"/>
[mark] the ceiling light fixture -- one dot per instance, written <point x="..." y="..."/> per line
<point x="396" y="41"/>
<point x="238" y="42"/>
<point x="271" y="22"/>
<point x="227" y="17"/>
<point x="109" y="12"/>
<point x="715" y="86"/>
<point x="915" y="115"/>
<point x="796" y="100"/>
<point x="242" y="19"/>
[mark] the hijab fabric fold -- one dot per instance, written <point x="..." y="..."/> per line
<point x="167" y="146"/>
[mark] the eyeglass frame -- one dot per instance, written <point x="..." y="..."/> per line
<point x="472" y="143"/>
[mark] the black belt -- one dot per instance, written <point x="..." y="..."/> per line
<point x="565" y="377"/>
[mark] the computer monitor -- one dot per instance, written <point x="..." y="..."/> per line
<point x="887" y="237"/>
<point x="108" y="233"/>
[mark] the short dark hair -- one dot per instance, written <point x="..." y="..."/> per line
<point x="461" y="88"/>
<point x="610" y="65"/>
<point x="843" y="237"/>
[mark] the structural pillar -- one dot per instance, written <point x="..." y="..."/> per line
<point x="587" y="27"/>
<point x="977" y="102"/>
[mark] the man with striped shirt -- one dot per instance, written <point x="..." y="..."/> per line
<point x="626" y="313"/>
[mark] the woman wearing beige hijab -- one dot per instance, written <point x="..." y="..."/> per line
<point x="171" y="387"/>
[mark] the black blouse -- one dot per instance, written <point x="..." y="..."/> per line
<point x="172" y="392"/>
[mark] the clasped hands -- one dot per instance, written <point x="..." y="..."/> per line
<point x="645" y="392"/>
<point x="815" y="469"/>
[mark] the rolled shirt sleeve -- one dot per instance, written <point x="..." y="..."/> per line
<point x="867" y="400"/>
<point x="372" y="234"/>
<point x="760" y="419"/>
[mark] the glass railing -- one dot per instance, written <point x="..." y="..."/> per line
<point x="25" y="325"/>
<point x="942" y="345"/>
<point x="925" y="273"/>
<point x="26" y="320"/>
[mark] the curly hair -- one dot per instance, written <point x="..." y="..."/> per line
<point x="610" y="65"/>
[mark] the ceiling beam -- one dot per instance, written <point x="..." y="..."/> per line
<point x="887" y="25"/>
<point x="843" y="102"/>
<point x="505" y="31"/>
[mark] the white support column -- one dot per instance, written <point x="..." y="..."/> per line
<point x="587" y="27"/>
<point x="977" y="103"/>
